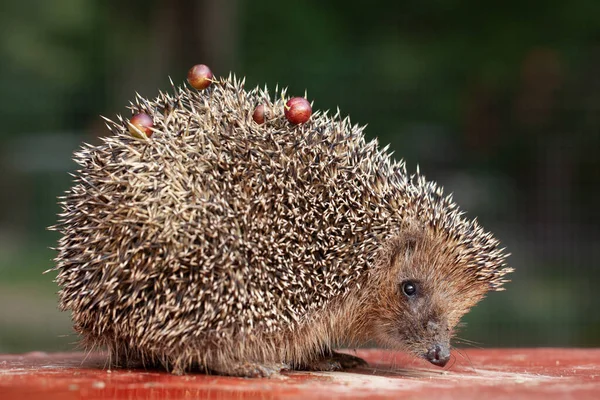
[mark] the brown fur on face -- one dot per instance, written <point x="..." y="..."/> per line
<point x="445" y="291"/>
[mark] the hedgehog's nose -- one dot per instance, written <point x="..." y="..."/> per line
<point x="438" y="355"/>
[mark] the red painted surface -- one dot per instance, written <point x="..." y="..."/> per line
<point x="477" y="374"/>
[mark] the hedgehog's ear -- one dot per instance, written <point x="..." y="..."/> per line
<point x="410" y="244"/>
<point x="404" y="245"/>
<point x="400" y="246"/>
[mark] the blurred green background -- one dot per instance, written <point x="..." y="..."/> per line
<point x="499" y="101"/>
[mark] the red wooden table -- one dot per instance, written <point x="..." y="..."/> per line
<point x="477" y="374"/>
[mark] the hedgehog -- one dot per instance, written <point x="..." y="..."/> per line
<point x="225" y="246"/>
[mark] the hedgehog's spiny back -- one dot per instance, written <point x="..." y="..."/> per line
<point x="217" y="223"/>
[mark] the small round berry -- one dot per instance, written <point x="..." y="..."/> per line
<point x="143" y="122"/>
<point x="297" y="110"/>
<point x="200" y="76"/>
<point x="259" y="114"/>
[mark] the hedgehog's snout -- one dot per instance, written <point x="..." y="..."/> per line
<point x="438" y="354"/>
<point x="438" y="351"/>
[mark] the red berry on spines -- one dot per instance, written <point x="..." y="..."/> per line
<point x="200" y="76"/>
<point x="259" y="114"/>
<point x="141" y="124"/>
<point x="297" y="110"/>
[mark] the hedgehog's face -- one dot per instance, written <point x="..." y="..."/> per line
<point x="423" y="292"/>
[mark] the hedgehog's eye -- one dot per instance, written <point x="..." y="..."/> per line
<point x="409" y="288"/>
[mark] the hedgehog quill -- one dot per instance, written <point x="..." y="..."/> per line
<point x="224" y="245"/>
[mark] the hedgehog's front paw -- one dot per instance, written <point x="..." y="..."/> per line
<point x="249" y="369"/>
<point x="335" y="362"/>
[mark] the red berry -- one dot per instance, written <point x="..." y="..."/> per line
<point x="297" y="110"/>
<point x="143" y="122"/>
<point x="259" y="114"/>
<point x="200" y="76"/>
